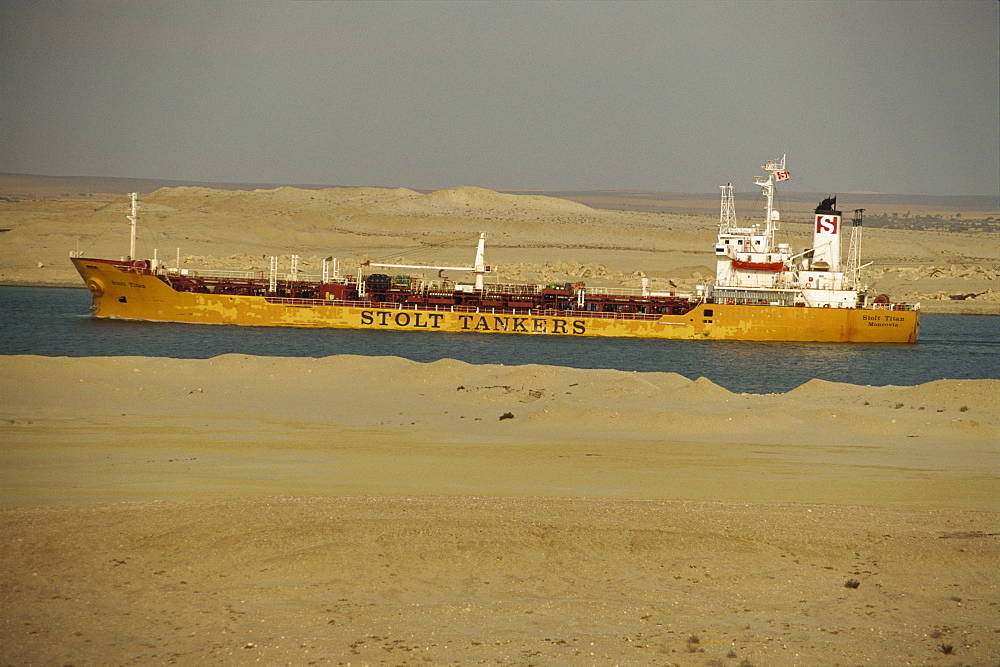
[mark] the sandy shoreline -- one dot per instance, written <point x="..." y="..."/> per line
<point x="246" y="509"/>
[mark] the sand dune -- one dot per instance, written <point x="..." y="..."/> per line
<point x="445" y="399"/>
<point x="383" y="511"/>
<point x="531" y="237"/>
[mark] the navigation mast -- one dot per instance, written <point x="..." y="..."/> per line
<point x="775" y="172"/>
<point x="132" y="222"/>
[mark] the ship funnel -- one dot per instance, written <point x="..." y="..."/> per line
<point x="828" y="205"/>
<point x="826" y="235"/>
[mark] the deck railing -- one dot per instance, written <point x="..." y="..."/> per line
<point x="895" y="306"/>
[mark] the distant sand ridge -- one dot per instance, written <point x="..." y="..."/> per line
<point x="486" y="414"/>
<point x="531" y="238"/>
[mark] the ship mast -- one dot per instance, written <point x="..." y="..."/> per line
<point x="132" y="222"/>
<point x="727" y="214"/>
<point x="853" y="270"/>
<point x="775" y="172"/>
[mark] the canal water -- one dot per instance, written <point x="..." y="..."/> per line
<point x="57" y="322"/>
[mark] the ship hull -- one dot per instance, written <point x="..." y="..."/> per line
<point x="142" y="296"/>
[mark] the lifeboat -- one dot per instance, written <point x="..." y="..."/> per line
<point x="757" y="266"/>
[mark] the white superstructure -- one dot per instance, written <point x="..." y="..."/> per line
<point x="752" y="268"/>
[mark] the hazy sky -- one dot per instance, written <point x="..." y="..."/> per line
<point x="897" y="97"/>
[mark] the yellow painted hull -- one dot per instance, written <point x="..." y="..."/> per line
<point x="137" y="296"/>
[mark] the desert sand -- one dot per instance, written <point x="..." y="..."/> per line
<point x="379" y="511"/>
<point x="368" y="510"/>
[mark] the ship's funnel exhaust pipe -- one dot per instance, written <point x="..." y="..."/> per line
<point x="826" y="235"/>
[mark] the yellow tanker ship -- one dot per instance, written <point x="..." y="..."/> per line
<point x="762" y="292"/>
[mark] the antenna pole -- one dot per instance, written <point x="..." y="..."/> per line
<point x="775" y="172"/>
<point x="132" y="221"/>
